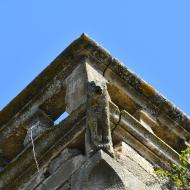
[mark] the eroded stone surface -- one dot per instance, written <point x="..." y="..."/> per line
<point x="107" y="104"/>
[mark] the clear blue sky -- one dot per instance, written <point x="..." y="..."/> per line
<point x="151" y="37"/>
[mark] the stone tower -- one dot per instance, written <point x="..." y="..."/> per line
<point x="118" y="128"/>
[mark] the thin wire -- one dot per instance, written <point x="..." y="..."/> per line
<point x="33" y="148"/>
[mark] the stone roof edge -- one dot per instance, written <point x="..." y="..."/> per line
<point x="103" y="55"/>
<point x="40" y="81"/>
<point x="161" y="104"/>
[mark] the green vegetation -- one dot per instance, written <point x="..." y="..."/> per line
<point x="180" y="174"/>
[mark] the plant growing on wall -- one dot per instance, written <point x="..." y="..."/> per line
<point x="180" y="174"/>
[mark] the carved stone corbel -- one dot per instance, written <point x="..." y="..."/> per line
<point x="98" y="119"/>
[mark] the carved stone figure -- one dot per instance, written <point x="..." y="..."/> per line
<point x="98" y="122"/>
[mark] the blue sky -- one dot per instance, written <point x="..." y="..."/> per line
<point x="151" y="37"/>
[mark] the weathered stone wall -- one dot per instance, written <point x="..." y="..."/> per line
<point x="117" y="130"/>
<point x="68" y="169"/>
<point x="57" y="173"/>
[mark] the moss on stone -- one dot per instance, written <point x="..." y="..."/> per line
<point x="147" y="90"/>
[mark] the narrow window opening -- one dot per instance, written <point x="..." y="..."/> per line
<point x="63" y="116"/>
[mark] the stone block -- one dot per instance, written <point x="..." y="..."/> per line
<point x="62" y="158"/>
<point x="63" y="174"/>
